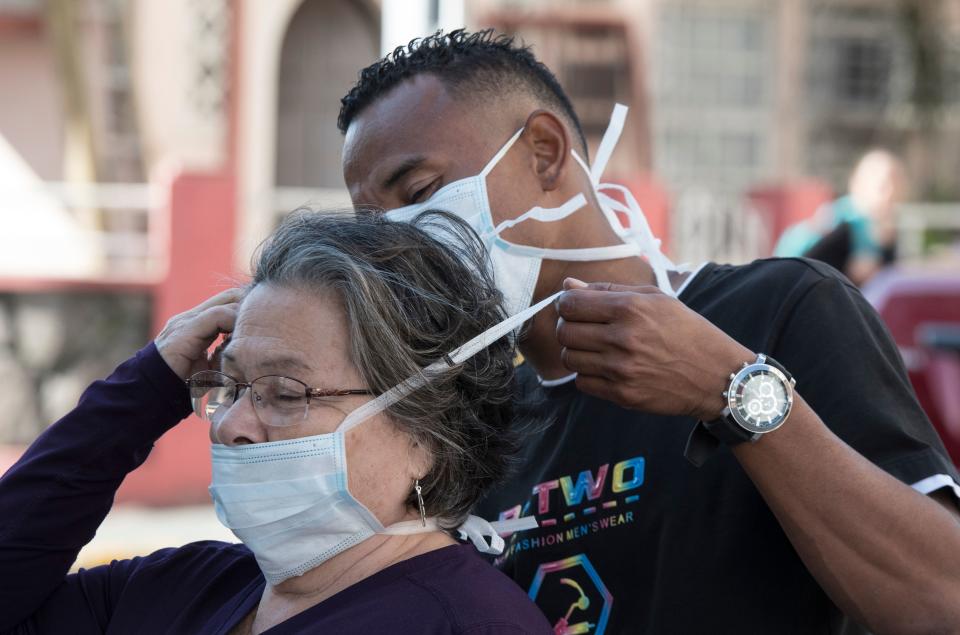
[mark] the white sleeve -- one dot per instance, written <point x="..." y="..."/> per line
<point x="937" y="481"/>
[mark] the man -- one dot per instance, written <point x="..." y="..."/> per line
<point x="856" y="234"/>
<point x="814" y="527"/>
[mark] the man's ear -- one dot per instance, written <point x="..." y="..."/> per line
<point x="550" y="142"/>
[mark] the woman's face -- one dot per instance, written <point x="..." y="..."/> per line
<point x="303" y="335"/>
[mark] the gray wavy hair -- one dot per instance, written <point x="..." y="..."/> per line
<point x="410" y="299"/>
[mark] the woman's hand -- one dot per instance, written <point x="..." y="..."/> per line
<point x="184" y="341"/>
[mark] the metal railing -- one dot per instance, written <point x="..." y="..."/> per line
<point x="287" y="199"/>
<point x="708" y="225"/>
<point x="917" y="220"/>
<point x="120" y="225"/>
<point x="21" y="7"/>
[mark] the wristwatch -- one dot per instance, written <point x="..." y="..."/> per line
<point x="759" y="400"/>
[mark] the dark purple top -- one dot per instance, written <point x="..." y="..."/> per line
<point x="57" y="494"/>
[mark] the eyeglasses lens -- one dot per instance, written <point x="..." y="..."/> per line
<point x="280" y="401"/>
<point x="211" y="391"/>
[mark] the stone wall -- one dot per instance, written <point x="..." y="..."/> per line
<point x="53" y="345"/>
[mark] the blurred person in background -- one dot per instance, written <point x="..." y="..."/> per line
<point x="827" y="507"/>
<point x="857" y="233"/>
<point x="340" y="310"/>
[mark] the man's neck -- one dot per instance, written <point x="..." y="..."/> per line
<point x="540" y="346"/>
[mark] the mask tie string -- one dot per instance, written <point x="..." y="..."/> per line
<point x="460" y="354"/>
<point x="479" y="531"/>
<point x="609" y="141"/>
<point x="542" y="214"/>
<point x="612" y="219"/>
<point x="485" y="535"/>
<point x="492" y="163"/>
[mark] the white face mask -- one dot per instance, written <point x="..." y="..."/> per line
<point x="516" y="267"/>
<point x="289" y="501"/>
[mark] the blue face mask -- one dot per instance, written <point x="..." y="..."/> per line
<point x="289" y="501"/>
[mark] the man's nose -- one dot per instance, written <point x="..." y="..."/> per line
<point x="239" y="424"/>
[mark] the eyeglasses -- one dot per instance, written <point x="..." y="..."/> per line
<point x="278" y="401"/>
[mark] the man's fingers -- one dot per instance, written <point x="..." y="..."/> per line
<point x="598" y="387"/>
<point x="593" y="306"/>
<point x="570" y="284"/>
<point x="584" y="362"/>
<point x="584" y="336"/>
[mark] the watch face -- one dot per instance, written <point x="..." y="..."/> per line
<point x="761" y="401"/>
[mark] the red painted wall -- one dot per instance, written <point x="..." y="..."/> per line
<point x="203" y="230"/>
<point x="201" y="240"/>
<point x="655" y="202"/>
<point x="789" y="203"/>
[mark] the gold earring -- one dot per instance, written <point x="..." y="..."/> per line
<point x="423" y="511"/>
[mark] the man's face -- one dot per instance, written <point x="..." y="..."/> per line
<point x="416" y="139"/>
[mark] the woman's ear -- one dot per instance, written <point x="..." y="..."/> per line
<point x="421" y="460"/>
<point x="550" y="142"/>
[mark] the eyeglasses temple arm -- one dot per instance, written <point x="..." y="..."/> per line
<point x="317" y="392"/>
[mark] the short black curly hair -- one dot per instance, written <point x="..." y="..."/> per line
<point x="466" y="63"/>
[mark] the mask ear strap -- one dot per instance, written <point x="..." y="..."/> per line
<point x="462" y="353"/>
<point x="485" y="536"/>
<point x="492" y="163"/>
<point x="609" y="142"/>
<point x="612" y="219"/>
<point x="479" y="531"/>
<point x="491" y="335"/>
<point x="543" y="214"/>
<point x="582" y="163"/>
<point x="410" y="527"/>
<point x="641" y="232"/>
<point x="384" y="401"/>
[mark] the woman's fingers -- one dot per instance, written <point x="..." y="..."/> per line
<point x="217" y="354"/>
<point x="211" y="322"/>
<point x="184" y="341"/>
<point x="229" y="296"/>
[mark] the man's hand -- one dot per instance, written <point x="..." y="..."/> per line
<point x="642" y="349"/>
<point x="888" y="556"/>
<point x="184" y="341"/>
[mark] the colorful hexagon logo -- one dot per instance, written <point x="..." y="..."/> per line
<point x="574" y="584"/>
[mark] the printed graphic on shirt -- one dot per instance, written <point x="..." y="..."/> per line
<point x="568" y="509"/>
<point x="573" y="506"/>
<point x="574" y="582"/>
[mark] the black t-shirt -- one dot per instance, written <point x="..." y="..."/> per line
<point x="634" y="539"/>
<point x="836" y="248"/>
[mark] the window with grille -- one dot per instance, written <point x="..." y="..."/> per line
<point x="862" y="70"/>
<point x="713" y="70"/>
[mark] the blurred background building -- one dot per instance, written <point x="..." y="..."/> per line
<point x="146" y="147"/>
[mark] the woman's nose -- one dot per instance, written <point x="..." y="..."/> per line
<point x="238" y="424"/>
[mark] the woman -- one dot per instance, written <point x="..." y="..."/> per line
<point x="329" y="376"/>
